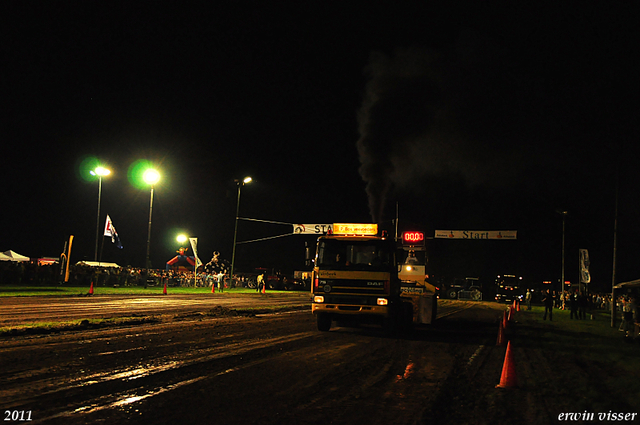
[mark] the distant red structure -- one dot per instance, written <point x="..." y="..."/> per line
<point x="181" y="261"/>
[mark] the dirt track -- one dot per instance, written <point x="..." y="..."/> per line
<point x="269" y="369"/>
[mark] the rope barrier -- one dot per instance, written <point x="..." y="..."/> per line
<point x="264" y="239"/>
<point x="266" y="221"/>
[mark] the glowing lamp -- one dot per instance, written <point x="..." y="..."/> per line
<point x="100" y="171"/>
<point x="181" y="238"/>
<point x="151" y="176"/>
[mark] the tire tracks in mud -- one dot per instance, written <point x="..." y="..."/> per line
<point x="302" y="376"/>
<point x="108" y="389"/>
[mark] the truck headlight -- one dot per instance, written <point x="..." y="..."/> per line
<point x="318" y="299"/>
<point x="382" y="301"/>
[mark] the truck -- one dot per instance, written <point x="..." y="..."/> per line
<point x="509" y="288"/>
<point x="360" y="276"/>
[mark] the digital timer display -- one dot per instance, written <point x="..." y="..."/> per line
<point x="413" y="237"/>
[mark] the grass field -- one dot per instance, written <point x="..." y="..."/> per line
<point x="579" y="365"/>
<point x="79" y="324"/>
<point x="26" y="291"/>
<point x="592" y="338"/>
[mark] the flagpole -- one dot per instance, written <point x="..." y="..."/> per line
<point x="98" y="217"/>
<point x="615" y="246"/>
<point x="101" y="251"/>
<point x="66" y="273"/>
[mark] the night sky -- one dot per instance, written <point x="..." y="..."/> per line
<point x="465" y="116"/>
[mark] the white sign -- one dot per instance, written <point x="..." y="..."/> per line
<point x="312" y="229"/>
<point x="585" y="276"/>
<point x="194" y="247"/>
<point x="477" y="234"/>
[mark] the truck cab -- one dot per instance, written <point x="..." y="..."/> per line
<point x="510" y="288"/>
<point x="355" y="278"/>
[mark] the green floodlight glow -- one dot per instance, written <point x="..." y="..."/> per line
<point x="86" y="168"/>
<point x="151" y="176"/>
<point x="181" y="238"/>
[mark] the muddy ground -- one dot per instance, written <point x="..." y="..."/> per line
<point x="219" y="366"/>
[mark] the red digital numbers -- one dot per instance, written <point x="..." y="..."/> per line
<point x="413" y="236"/>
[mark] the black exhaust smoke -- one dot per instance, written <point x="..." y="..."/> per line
<point x="433" y="122"/>
<point x="400" y="104"/>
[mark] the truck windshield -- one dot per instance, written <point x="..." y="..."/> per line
<point x="510" y="282"/>
<point x="370" y="255"/>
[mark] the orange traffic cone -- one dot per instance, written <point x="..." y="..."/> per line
<point x="264" y="288"/>
<point x="213" y="288"/>
<point x="518" y="306"/>
<point x="508" y="378"/>
<point x="501" y="336"/>
<point x="164" y="291"/>
<point x="91" y="289"/>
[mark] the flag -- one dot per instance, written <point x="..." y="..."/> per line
<point x="585" y="276"/>
<point x="194" y="247"/>
<point x="110" y="230"/>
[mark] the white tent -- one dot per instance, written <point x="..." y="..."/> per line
<point x="13" y="256"/>
<point x="96" y="264"/>
<point x="630" y="284"/>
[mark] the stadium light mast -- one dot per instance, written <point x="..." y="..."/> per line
<point x="150" y="177"/>
<point x="564" y="217"/>
<point x="100" y="172"/>
<point x="239" y="183"/>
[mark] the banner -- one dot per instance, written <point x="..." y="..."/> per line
<point x="110" y="230"/>
<point x="585" y="276"/>
<point x="312" y="229"/>
<point x="477" y="234"/>
<point x="194" y="247"/>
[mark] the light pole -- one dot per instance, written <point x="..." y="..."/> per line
<point x="182" y="239"/>
<point x="151" y="177"/>
<point x="564" y="216"/>
<point x="239" y="183"/>
<point x="100" y="172"/>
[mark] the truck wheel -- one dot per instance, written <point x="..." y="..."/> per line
<point x="324" y="322"/>
<point x="434" y="310"/>
<point x="390" y="323"/>
<point x="407" y="317"/>
<point x="452" y="294"/>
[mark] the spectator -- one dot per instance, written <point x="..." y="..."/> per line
<point x="573" y="305"/>
<point x="548" y="301"/>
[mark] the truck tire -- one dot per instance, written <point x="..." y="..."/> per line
<point x="407" y="317"/>
<point x="390" y="323"/>
<point x="434" y="310"/>
<point x="476" y="295"/>
<point x="323" y="321"/>
<point x="452" y="294"/>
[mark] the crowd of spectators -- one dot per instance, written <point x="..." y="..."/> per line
<point x="32" y="274"/>
<point x="626" y="307"/>
<point x="588" y="301"/>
